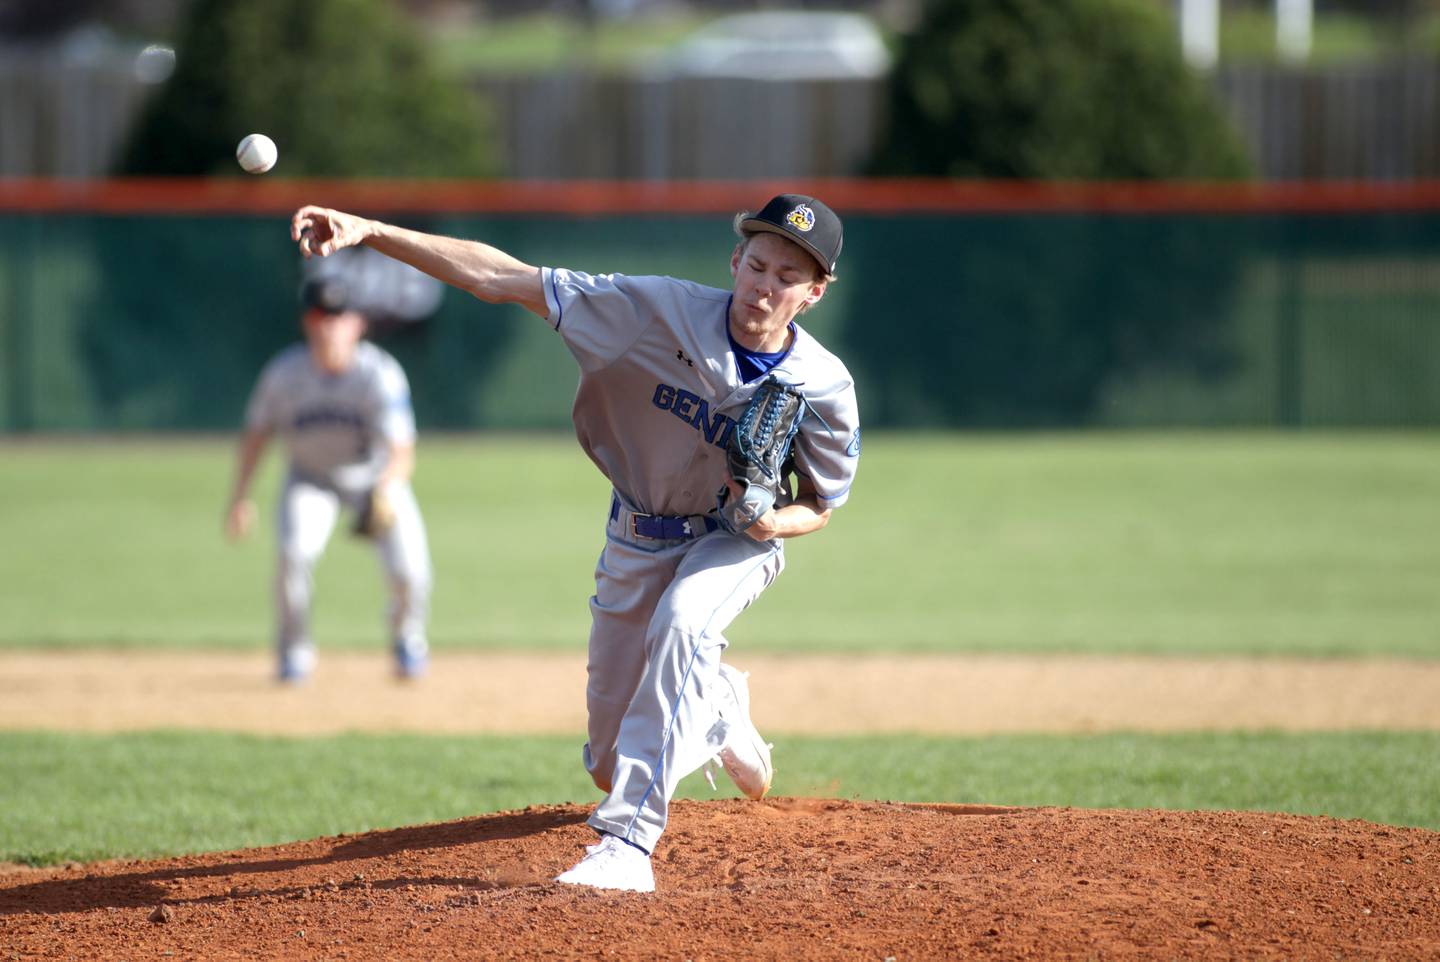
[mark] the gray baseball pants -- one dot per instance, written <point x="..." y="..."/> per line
<point x="306" y="519"/>
<point x="657" y="618"/>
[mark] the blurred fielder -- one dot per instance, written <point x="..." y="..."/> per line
<point x="342" y="407"/>
<point x="672" y="375"/>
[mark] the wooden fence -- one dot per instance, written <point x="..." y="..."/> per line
<point x="578" y="125"/>
<point x="1357" y="121"/>
<point x="1374" y="121"/>
<point x="61" y="116"/>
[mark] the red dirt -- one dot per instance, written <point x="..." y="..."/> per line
<point x="785" y="878"/>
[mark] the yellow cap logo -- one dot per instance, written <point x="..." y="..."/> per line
<point x="801" y="218"/>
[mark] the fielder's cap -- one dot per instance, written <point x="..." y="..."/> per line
<point x="804" y="220"/>
<point x="328" y="294"/>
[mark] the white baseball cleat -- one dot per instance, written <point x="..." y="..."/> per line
<point x="410" y="664"/>
<point x="745" y="756"/>
<point x="297" y="664"/>
<point x="612" y="864"/>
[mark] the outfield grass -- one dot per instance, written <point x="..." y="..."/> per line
<point x="1203" y="543"/>
<point x="85" y="797"/>
<point x="546" y="42"/>
<point x="542" y="42"/>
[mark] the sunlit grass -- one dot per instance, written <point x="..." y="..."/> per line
<point x="86" y="797"/>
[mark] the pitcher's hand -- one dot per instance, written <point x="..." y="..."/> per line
<point x="320" y="230"/>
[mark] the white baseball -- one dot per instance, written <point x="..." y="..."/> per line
<point x="257" y="153"/>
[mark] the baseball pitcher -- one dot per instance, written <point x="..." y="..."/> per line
<point x="724" y="428"/>
<point x="342" y="407"/>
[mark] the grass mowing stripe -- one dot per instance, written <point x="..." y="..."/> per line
<point x="1389" y="777"/>
<point x="1203" y="543"/>
<point x="86" y="797"/>
<point x="67" y="796"/>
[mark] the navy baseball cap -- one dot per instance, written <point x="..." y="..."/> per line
<point x="804" y="220"/>
<point x="330" y="295"/>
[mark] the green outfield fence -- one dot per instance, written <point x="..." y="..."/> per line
<point x="150" y="305"/>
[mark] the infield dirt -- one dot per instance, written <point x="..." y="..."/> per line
<point x="780" y="879"/>
<point x="505" y="692"/>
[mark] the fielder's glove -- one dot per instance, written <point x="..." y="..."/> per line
<point x="376" y="515"/>
<point x="757" y="452"/>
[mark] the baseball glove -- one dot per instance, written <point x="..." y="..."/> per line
<point x="757" y="451"/>
<point x="376" y="515"/>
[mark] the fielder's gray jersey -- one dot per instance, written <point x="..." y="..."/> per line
<point x="659" y="390"/>
<point x="337" y="428"/>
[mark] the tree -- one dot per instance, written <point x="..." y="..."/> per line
<point x="343" y="86"/>
<point x="1084" y="89"/>
<point x="188" y="308"/>
<point x="1025" y="319"/>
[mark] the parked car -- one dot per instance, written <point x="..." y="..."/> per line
<point x="782" y="45"/>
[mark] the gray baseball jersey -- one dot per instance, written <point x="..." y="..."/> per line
<point x="336" y="427"/>
<point x="337" y="430"/>
<point x="658" y="397"/>
<point x="659" y="390"/>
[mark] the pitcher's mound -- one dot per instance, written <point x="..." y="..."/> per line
<point x="779" y="879"/>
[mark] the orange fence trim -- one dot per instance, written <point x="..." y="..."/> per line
<point x="272" y="196"/>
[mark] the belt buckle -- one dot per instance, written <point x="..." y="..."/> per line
<point x="635" y="525"/>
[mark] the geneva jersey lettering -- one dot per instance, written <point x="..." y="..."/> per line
<point x="336" y="427"/>
<point x="660" y="390"/>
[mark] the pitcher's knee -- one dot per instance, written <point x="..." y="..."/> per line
<point x="671" y="626"/>
<point x="601" y="769"/>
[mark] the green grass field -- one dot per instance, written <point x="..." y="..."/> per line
<point x="86" y="797"/>
<point x="1266" y="543"/>
<point x="1244" y="544"/>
